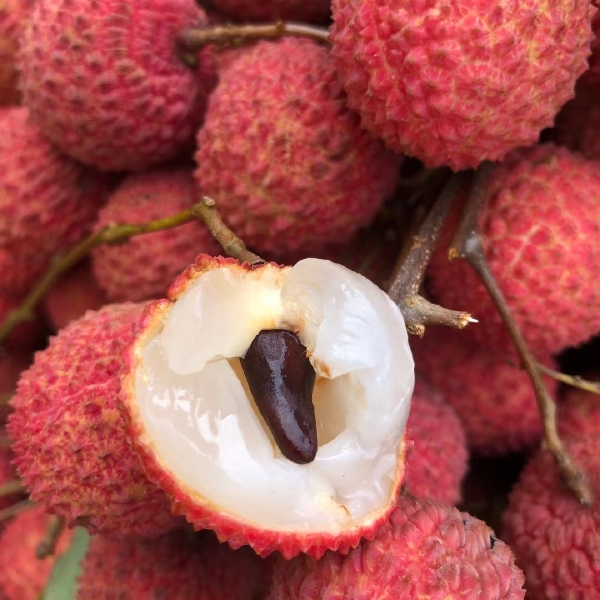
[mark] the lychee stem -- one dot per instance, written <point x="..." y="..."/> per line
<point x="467" y="244"/>
<point x="11" y="487"/>
<point x="573" y="380"/>
<point x="16" y="509"/>
<point x="195" y="39"/>
<point x="416" y="310"/>
<point x="47" y="547"/>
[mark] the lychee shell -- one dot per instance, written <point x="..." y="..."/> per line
<point x="315" y="11"/>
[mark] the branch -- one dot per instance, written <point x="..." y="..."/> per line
<point x="47" y="547"/>
<point x="573" y="380"/>
<point x="16" y="509"/>
<point x="12" y="487"/>
<point x="467" y="244"/>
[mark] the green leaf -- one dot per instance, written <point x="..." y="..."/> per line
<point x="63" y="580"/>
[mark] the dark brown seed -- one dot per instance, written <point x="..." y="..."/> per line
<point x="281" y="380"/>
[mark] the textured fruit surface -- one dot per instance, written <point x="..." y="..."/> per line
<point x="104" y="81"/>
<point x="70" y="445"/>
<point x="492" y="396"/>
<point x="13" y="14"/>
<point x="47" y="201"/>
<point x="193" y="420"/>
<point x="426" y="550"/>
<point x="283" y="156"/>
<point x="437" y="460"/>
<point x="23" y="577"/>
<point x="579" y="412"/>
<point x="144" y="267"/>
<point x="315" y="11"/>
<point x="459" y="81"/>
<point x="556" y="540"/>
<point x="538" y="229"/>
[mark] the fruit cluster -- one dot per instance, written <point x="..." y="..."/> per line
<point x="168" y="398"/>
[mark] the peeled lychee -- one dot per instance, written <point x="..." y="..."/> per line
<point x="493" y="397"/>
<point x="70" y="446"/>
<point x="437" y="458"/>
<point x="539" y="230"/>
<point x="23" y="576"/>
<point x="144" y="267"/>
<point x="177" y="566"/>
<point x="579" y="413"/>
<point x="426" y="550"/>
<point x="556" y="540"/>
<point x="316" y="11"/>
<point x="47" y="201"/>
<point x="456" y="82"/>
<point x="284" y="157"/>
<point x="104" y="79"/>
<point x="198" y="429"/>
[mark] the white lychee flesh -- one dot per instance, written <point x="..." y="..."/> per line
<point x="204" y="430"/>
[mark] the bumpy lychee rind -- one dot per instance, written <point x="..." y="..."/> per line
<point x="178" y="566"/>
<point x="23" y="577"/>
<point x="200" y="511"/>
<point x="537" y="227"/>
<point x="436" y="457"/>
<point x="315" y="11"/>
<point x="284" y="157"/>
<point x="70" y="446"/>
<point x="556" y="540"/>
<point x="105" y="82"/>
<point x="455" y="83"/>
<point x="144" y="267"/>
<point x="48" y="201"/>
<point x="426" y="550"/>
<point x="493" y="398"/>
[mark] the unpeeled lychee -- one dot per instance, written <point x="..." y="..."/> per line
<point x="426" y="550"/>
<point x="47" y="201"/>
<point x="70" y="446"/>
<point x="556" y="540"/>
<point x="178" y="566"/>
<point x="539" y="230"/>
<point x="144" y="267"/>
<point x="105" y="82"/>
<point x="457" y="82"/>
<point x="284" y="157"/>
<point x="437" y="457"/>
<point x="315" y="11"/>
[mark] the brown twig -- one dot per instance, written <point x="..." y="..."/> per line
<point x="573" y="380"/>
<point x="467" y="244"/>
<point x="12" y="487"/>
<point x="5" y="398"/>
<point x="194" y="39"/>
<point x="16" y="509"/>
<point x="118" y="233"/>
<point x="47" y="546"/>
<point x="5" y="441"/>
<point x="404" y="289"/>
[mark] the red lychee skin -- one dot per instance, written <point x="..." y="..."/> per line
<point x="437" y="457"/>
<point x="200" y="511"/>
<point x="13" y="15"/>
<point x="70" y="446"/>
<point x="592" y="75"/>
<point x="48" y="201"/>
<point x="27" y="335"/>
<point x="538" y="228"/>
<point x="144" y="267"/>
<point x="23" y="576"/>
<point x="494" y="399"/>
<point x="556" y="540"/>
<point x="284" y="158"/>
<point x="72" y="296"/>
<point x="314" y="11"/>
<point x="455" y="83"/>
<point x="579" y="412"/>
<point x="426" y="550"/>
<point x="104" y="81"/>
<point x="178" y="566"/>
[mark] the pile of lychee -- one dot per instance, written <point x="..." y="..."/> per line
<point x="238" y="429"/>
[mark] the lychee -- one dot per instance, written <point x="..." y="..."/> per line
<point x="70" y="446"/>
<point x="327" y="468"/>
<point x="144" y="267"/>
<point x="579" y="413"/>
<point x="47" y="201"/>
<point x="556" y="540"/>
<point x="456" y="82"/>
<point x="316" y="11"/>
<point x="538" y="228"/>
<point x="284" y="157"/>
<point x="493" y="397"/>
<point x="23" y="576"/>
<point x="105" y="82"/>
<point x="178" y="566"/>
<point x="437" y="458"/>
<point x="426" y="550"/>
